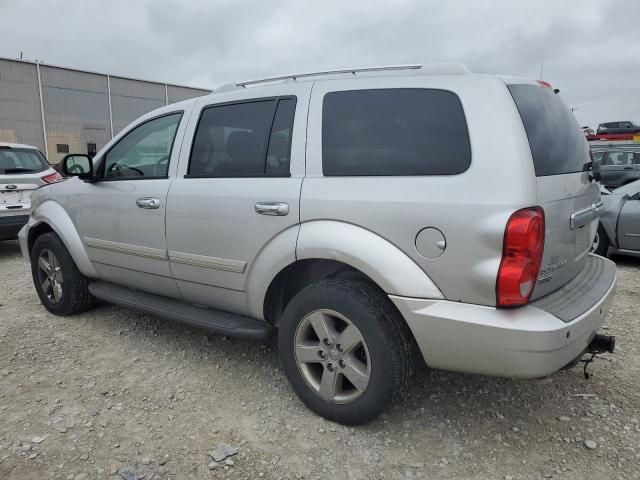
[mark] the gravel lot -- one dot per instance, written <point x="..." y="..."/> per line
<point x="85" y="397"/>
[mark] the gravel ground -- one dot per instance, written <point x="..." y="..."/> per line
<point x="113" y="390"/>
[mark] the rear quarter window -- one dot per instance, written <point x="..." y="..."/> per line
<point x="394" y="132"/>
<point x="557" y="143"/>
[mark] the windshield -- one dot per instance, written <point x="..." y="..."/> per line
<point x="629" y="189"/>
<point x="21" y="160"/>
<point x="557" y="143"/>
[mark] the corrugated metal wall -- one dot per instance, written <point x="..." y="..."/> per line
<point x="132" y="98"/>
<point x="76" y="106"/>
<point x="20" y="114"/>
<point x="76" y="111"/>
<point x="177" y="94"/>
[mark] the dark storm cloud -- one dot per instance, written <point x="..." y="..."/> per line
<point x="589" y="49"/>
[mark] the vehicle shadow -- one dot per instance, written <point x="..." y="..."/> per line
<point x="9" y="249"/>
<point x="626" y="261"/>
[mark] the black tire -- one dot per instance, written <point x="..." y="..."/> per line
<point x="391" y="347"/>
<point x="75" y="296"/>
<point x="603" y="242"/>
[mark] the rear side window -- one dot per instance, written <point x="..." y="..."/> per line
<point x="248" y="139"/>
<point x="557" y="143"/>
<point x="392" y="132"/>
<point x="15" y="160"/>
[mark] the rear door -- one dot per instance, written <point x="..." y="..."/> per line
<point x="238" y="188"/>
<point x="569" y="198"/>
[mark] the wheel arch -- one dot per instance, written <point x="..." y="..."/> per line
<point x="327" y="249"/>
<point x="51" y="217"/>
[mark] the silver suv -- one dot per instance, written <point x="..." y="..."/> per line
<point x="369" y="217"/>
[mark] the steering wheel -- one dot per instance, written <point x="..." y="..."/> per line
<point x="160" y="168"/>
<point x="117" y="169"/>
<point x="75" y="169"/>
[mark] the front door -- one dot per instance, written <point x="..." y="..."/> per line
<point x="121" y="221"/>
<point x="239" y="192"/>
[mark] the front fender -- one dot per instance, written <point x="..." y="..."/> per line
<point x="387" y="265"/>
<point x="56" y="217"/>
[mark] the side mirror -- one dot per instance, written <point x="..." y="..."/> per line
<point x="77" y="165"/>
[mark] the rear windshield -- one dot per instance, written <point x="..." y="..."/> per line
<point x="557" y="144"/>
<point x="17" y="160"/>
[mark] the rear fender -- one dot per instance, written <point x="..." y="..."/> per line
<point x="388" y="266"/>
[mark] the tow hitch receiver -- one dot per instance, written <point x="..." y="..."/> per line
<point x="602" y="344"/>
<point x="599" y="344"/>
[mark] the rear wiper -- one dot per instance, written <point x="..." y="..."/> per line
<point x="18" y="170"/>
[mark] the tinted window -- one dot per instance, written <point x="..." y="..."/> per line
<point x="394" y="132"/>
<point x="144" y="151"/>
<point x="557" y="144"/>
<point x="21" y="161"/>
<point x="238" y="140"/>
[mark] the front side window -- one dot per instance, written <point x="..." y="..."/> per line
<point x="404" y="131"/>
<point x="144" y="152"/>
<point x="248" y="139"/>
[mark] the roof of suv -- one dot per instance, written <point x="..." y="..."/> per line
<point x="17" y="145"/>
<point x="366" y="72"/>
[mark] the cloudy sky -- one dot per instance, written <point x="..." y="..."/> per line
<point x="590" y="49"/>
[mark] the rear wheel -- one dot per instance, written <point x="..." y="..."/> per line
<point x="600" y="242"/>
<point x="345" y="349"/>
<point x="61" y="287"/>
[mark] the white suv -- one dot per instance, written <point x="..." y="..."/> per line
<point x="22" y="169"/>
<point x="368" y="216"/>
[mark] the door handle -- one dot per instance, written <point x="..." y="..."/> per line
<point x="272" y="208"/>
<point x="148" y="202"/>
<point x="629" y="168"/>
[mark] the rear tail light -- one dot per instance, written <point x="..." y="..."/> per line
<point x="52" y="178"/>
<point x="521" y="257"/>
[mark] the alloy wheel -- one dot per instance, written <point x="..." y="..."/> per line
<point x="332" y="356"/>
<point x="50" y="276"/>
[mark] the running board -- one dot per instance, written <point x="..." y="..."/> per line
<point x="217" y="321"/>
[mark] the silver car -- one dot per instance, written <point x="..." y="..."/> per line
<point x="22" y="169"/>
<point x="619" y="228"/>
<point x="619" y="162"/>
<point x="364" y="216"/>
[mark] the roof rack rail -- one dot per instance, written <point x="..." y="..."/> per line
<point x="329" y="72"/>
<point x="429" y="68"/>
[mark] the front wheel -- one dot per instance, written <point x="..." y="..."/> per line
<point x="345" y="349"/>
<point x="61" y="287"/>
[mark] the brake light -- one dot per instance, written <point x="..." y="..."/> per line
<point x="521" y="257"/>
<point x="52" y="178"/>
<point x="544" y="84"/>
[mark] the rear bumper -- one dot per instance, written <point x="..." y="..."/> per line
<point x="526" y="342"/>
<point x="10" y="225"/>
